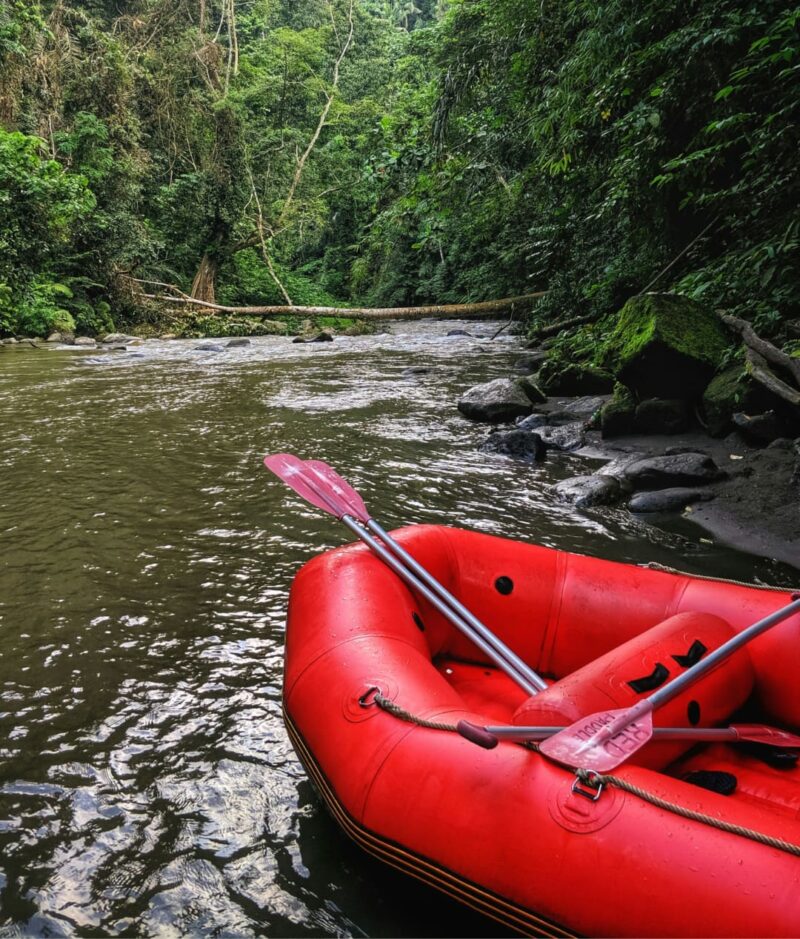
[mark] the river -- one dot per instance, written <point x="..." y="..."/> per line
<point x="146" y="781"/>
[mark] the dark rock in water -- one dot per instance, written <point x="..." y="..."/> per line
<point x="618" y="415"/>
<point x="665" y="346"/>
<point x="668" y="500"/>
<point x="495" y="401"/>
<point x="574" y="379"/>
<point x="563" y="436"/>
<point x="532" y="421"/>
<point x="661" y="416"/>
<point x="518" y="444"/>
<point x="414" y="371"/>
<point x="458" y="332"/>
<point x="760" y="428"/>
<point x="585" y="491"/>
<point x="320" y="337"/>
<point x="532" y="390"/>
<point x="782" y="443"/>
<point x="664" y="472"/>
<point x="235" y="343"/>
<point x="208" y="347"/>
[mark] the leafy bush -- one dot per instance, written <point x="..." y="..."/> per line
<point x="39" y="310"/>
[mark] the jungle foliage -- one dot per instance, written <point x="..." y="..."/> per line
<point x="396" y="152"/>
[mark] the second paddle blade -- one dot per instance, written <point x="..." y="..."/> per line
<point x="586" y="744"/>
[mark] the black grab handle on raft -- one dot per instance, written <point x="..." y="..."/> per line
<point x="476" y="734"/>
<point x="652" y="681"/>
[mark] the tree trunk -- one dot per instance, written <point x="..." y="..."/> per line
<point x="204" y="283"/>
<point x="455" y="310"/>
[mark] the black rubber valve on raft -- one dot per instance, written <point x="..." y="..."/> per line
<point x="476" y="734"/>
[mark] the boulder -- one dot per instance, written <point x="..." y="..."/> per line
<point x="617" y="416"/>
<point x="585" y="491"/>
<point x="85" y="341"/>
<point x="668" y="500"/>
<point x="208" y="347"/>
<point x="528" y="364"/>
<point x="532" y="421"/>
<point x="518" y="444"/>
<point x="563" y="436"/>
<point x="458" y="332"/>
<point x="731" y="391"/>
<point x="319" y="337"/>
<point x="661" y="416"/>
<point x="759" y="428"/>
<point x="558" y="378"/>
<point x="532" y="390"/>
<point x="678" y="469"/>
<point x="117" y="337"/>
<point x="165" y="336"/>
<point x="54" y="337"/>
<point x="665" y="346"/>
<point x="583" y="408"/>
<point x="495" y="401"/>
<point x="236" y="343"/>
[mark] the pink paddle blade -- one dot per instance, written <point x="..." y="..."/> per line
<point x="342" y="489"/>
<point x="761" y="733"/>
<point x="587" y="744"/>
<point x="292" y="470"/>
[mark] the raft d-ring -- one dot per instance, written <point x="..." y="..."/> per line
<point x="367" y="700"/>
<point x="588" y="784"/>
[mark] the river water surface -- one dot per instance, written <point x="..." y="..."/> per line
<point x="147" y="785"/>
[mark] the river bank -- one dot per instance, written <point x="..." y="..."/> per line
<point x="741" y="494"/>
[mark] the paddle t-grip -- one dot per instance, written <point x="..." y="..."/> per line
<point x="476" y="734"/>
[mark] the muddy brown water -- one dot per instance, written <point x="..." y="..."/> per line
<point x="146" y="781"/>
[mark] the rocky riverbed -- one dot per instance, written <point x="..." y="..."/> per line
<point x="659" y="431"/>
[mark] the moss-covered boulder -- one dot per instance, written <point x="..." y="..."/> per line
<point x="574" y="378"/>
<point x="665" y="346"/>
<point x="532" y="390"/>
<point x="617" y="416"/>
<point x="730" y="392"/>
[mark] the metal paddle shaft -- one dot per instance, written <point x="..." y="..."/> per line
<point x="603" y="740"/>
<point x="538" y="683"/>
<point x="488" y="737"/>
<point x="320" y="485"/>
<point x="356" y="508"/>
<point x="391" y="561"/>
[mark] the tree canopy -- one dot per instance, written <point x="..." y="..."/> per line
<point x="391" y="152"/>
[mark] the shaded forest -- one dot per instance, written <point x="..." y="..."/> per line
<point x="397" y="152"/>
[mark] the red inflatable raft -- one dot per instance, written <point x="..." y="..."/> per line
<point x="506" y="831"/>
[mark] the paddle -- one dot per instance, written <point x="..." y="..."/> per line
<point x="489" y="737"/>
<point x="603" y="740"/>
<point x="320" y="485"/>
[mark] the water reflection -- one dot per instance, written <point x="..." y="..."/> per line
<point x="146" y="781"/>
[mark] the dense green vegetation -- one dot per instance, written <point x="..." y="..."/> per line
<point x="396" y="152"/>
